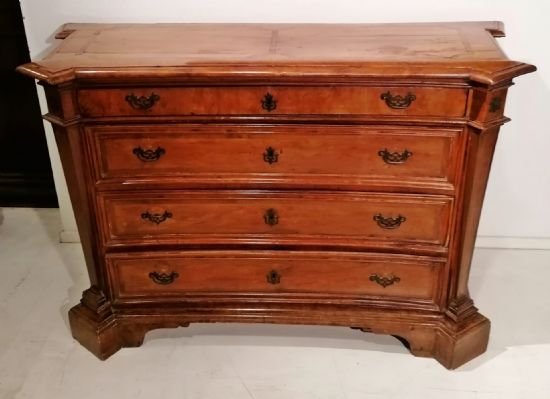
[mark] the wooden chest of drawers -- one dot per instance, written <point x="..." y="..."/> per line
<point x="300" y="174"/>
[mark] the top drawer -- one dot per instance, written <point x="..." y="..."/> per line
<point x="275" y="100"/>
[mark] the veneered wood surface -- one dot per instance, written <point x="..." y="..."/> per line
<point x="305" y="154"/>
<point x="326" y="186"/>
<point x="461" y="48"/>
<point x="322" y="100"/>
<point x="218" y="217"/>
<point x="217" y="272"/>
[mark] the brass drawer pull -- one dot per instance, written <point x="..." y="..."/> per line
<point x="148" y="155"/>
<point x="271" y="217"/>
<point x="394" y="158"/>
<point x="388" y="222"/>
<point x="156" y="218"/>
<point x="384" y="281"/>
<point x="273" y="277"/>
<point x="271" y="155"/>
<point x="163" y="278"/>
<point x="142" y="102"/>
<point x="268" y="102"/>
<point x="397" y="101"/>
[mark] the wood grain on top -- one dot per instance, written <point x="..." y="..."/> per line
<point x="336" y="49"/>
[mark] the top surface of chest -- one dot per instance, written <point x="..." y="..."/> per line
<point x="285" y="51"/>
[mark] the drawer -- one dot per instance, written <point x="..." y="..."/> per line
<point x="258" y="155"/>
<point x="180" y="274"/>
<point x="273" y="100"/>
<point x="253" y="217"/>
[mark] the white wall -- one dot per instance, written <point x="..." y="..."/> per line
<point x="518" y="198"/>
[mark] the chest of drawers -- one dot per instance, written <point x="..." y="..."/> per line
<point x="298" y="174"/>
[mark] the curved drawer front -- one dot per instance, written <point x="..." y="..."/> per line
<point x="173" y="275"/>
<point x="285" y="154"/>
<point x="273" y="217"/>
<point x="273" y="100"/>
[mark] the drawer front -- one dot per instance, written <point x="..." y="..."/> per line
<point x="267" y="272"/>
<point x="273" y="100"/>
<point x="261" y="155"/>
<point x="273" y="217"/>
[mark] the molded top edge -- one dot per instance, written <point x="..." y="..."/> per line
<point x="453" y="50"/>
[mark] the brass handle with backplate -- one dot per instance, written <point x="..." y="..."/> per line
<point x="156" y="218"/>
<point x="384" y="281"/>
<point x="163" y="278"/>
<point x="142" y="102"/>
<point x="397" y="101"/>
<point x="149" y="155"/>
<point x="389" y="222"/>
<point x="394" y="158"/>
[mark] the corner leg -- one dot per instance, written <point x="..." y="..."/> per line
<point x="451" y="343"/>
<point x="458" y="343"/>
<point x="93" y="324"/>
<point x="95" y="327"/>
<point x="97" y="334"/>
